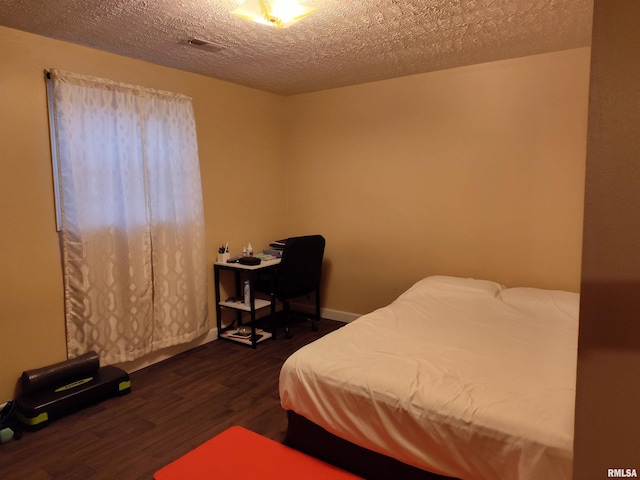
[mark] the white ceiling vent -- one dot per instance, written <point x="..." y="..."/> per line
<point x="205" y="44"/>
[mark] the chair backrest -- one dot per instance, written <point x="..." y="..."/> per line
<point x="301" y="266"/>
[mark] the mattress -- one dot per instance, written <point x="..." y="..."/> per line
<point x="460" y="377"/>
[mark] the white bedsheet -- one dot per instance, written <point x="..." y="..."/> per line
<point x="460" y="377"/>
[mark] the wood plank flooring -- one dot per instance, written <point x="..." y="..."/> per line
<point x="173" y="407"/>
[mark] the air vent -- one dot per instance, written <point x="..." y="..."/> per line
<point x="205" y="44"/>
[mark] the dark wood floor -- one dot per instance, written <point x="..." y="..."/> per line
<point x="173" y="407"/>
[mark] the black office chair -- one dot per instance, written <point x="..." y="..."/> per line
<point x="297" y="275"/>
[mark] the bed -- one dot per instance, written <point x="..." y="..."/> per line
<point x="463" y="378"/>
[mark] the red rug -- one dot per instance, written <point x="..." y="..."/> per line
<point x="238" y="453"/>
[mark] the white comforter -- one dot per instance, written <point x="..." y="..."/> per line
<point x="460" y="377"/>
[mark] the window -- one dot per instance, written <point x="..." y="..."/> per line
<point x="129" y="201"/>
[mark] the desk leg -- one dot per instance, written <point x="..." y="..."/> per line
<point x="252" y="300"/>
<point x="239" y="294"/>
<point x="272" y="298"/>
<point x="216" y="275"/>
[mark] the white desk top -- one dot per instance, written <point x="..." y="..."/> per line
<point x="240" y="266"/>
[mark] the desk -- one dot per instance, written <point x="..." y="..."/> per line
<point x="251" y="272"/>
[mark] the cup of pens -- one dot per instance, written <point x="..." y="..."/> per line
<point x="223" y="253"/>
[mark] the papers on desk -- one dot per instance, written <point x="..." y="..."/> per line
<point x="265" y="257"/>
<point x="278" y="244"/>
<point x="275" y="248"/>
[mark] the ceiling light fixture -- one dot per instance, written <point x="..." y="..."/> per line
<point x="276" y="13"/>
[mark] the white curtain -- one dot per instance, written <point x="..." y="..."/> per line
<point x="132" y="217"/>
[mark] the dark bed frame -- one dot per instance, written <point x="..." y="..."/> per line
<point x="306" y="436"/>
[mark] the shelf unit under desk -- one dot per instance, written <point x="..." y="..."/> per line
<point x="251" y="273"/>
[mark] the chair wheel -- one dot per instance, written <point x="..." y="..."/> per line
<point x="314" y="327"/>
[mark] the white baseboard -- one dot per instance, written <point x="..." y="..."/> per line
<point x="166" y="353"/>
<point x="327" y="313"/>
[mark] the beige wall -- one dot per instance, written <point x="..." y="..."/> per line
<point x="475" y="171"/>
<point x="607" y="432"/>
<point x="239" y="130"/>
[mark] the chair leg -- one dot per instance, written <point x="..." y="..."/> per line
<point x="286" y="313"/>
<point x="314" y="324"/>
<point x="285" y="308"/>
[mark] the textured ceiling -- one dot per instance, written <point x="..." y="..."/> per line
<point x="342" y="43"/>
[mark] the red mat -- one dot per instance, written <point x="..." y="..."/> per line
<point x="238" y="453"/>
